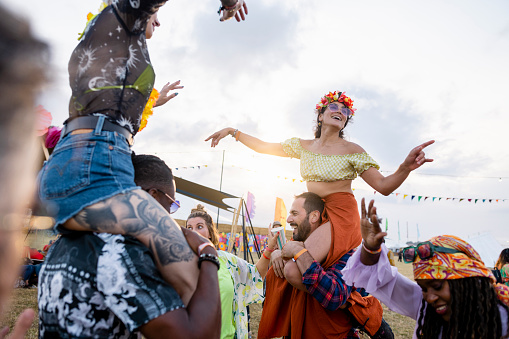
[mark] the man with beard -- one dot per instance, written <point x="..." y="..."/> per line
<point x="321" y="305"/>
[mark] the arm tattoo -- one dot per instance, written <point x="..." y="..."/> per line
<point x="139" y="216"/>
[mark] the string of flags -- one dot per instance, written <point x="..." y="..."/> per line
<point x="424" y="198"/>
<point x="413" y="197"/>
<point x="189" y="167"/>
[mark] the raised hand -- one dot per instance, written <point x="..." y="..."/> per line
<point x="271" y="238"/>
<point x="165" y="95"/>
<point x="239" y="11"/>
<point x="218" y="136"/>
<point x="370" y="227"/>
<point x="416" y="158"/>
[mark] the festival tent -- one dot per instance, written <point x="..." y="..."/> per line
<point x="203" y="193"/>
<point x="487" y="246"/>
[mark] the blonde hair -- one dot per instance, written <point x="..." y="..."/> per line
<point x="200" y="212"/>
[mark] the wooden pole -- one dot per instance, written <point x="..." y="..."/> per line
<point x="233" y="230"/>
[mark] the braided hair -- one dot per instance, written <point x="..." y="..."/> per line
<point x="200" y="212"/>
<point x="475" y="312"/>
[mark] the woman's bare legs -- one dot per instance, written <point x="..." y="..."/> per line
<point x="138" y="215"/>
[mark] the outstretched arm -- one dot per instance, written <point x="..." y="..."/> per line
<point x="257" y="145"/>
<point x="386" y="185"/>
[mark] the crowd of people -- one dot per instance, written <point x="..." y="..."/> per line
<point x="123" y="267"/>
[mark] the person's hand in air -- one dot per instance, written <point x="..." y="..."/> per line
<point x="165" y="95"/>
<point x="239" y="11"/>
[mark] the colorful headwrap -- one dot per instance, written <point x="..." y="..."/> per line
<point x="447" y="266"/>
<point x="336" y="96"/>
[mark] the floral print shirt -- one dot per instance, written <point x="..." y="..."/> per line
<point x="100" y="286"/>
<point x="247" y="287"/>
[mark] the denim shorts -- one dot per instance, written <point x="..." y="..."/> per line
<point x="85" y="169"/>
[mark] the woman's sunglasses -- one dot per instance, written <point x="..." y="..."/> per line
<point x="335" y="108"/>
<point x="424" y="250"/>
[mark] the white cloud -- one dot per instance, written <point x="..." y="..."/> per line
<point x="417" y="71"/>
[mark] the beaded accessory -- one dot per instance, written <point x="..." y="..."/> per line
<point x="208" y="257"/>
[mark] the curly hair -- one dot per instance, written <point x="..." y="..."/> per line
<point x="199" y="212"/>
<point x="318" y="128"/>
<point x="475" y="312"/>
<point x="150" y="171"/>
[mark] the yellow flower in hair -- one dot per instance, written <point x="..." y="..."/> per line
<point x="149" y="109"/>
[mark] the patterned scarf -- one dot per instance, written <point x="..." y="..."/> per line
<point x="466" y="264"/>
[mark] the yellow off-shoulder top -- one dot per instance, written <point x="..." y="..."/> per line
<point x="327" y="168"/>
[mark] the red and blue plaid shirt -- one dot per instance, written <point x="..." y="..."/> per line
<point x="327" y="286"/>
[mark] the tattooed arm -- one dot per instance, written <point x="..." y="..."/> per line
<point x="137" y="214"/>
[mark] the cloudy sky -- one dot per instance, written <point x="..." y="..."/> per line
<point x="416" y="71"/>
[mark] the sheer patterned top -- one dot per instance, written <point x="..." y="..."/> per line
<point x="110" y="71"/>
<point x="327" y="168"/>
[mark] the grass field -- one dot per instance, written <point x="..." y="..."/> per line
<point x="27" y="298"/>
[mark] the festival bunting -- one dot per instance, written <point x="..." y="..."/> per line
<point x="413" y="197"/>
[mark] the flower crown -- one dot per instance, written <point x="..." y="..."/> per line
<point x="336" y="96"/>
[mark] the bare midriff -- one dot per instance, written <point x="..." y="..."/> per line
<point x="323" y="189"/>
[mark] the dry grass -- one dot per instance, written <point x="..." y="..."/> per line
<point x="22" y="298"/>
<point x="402" y="327"/>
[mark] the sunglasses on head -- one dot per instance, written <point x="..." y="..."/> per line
<point x="344" y="110"/>
<point x="424" y="250"/>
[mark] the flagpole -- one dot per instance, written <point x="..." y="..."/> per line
<point x="220" y="189"/>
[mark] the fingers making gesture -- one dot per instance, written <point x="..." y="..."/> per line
<point x="370" y="227"/>
<point x="416" y="158"/>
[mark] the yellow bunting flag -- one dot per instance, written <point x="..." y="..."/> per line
<point x="280" y="214"/>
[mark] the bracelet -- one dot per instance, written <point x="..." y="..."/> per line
<point x="235" y="132"/>
<point x="208" y="257"/>
<point x="370" y="251"/>
<point x="295" y="257"/>
<point x="268" y="249"/>
<point x="226" y="8"/>
<point x="202" y="246"/>
<point x="265" y="256"/>
<point x="237" y="136"/>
